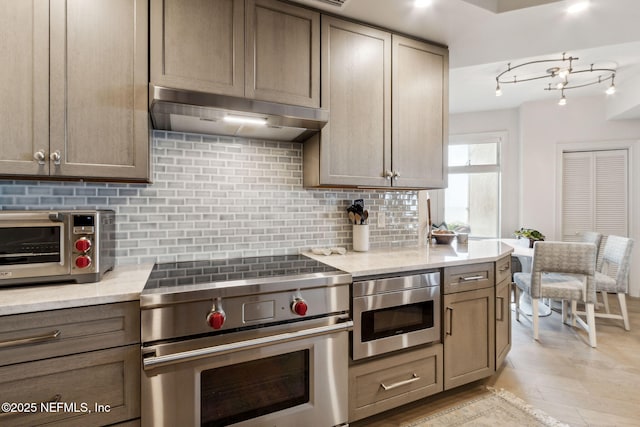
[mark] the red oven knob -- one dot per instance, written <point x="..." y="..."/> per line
<point x="83" y="261"/>
<point x="299" y="307"/>
<point x="215" y="319"/>
<point x="83" y="244"/>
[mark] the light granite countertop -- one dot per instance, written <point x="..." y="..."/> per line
<point x="123" y="283"/>
<point x="397" y="260"/>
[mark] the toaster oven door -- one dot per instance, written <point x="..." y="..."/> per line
<point x="32" y="245"/>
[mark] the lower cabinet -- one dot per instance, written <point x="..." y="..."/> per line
<point x="71" y="367"/>
<point x="503" y="309"/>
<point x="88" y="389"/>
<point x="385" y="383"/>
<point x="469" y="336"/>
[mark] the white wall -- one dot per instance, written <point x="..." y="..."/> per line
<point x="543" y="126"/>
<point x="529" y="159"/>
<point x="497" y="121"/>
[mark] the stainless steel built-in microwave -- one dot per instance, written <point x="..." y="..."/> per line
<point x="56" y="246"/>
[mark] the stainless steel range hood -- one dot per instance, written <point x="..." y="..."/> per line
<point x="199" y="112"/>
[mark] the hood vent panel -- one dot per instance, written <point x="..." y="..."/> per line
<point x="338" y="3"/>
<point x="198" y="112"/>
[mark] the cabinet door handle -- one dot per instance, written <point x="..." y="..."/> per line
<point x="396" y="175"/>
<point x="40" y="156"/>
<point x="413" y="379"/>
<point x="30" y="340"/>
<point x="388" y="174"/>
<point x="471" y="278"/>
<point x="501" y="305"/>
<point x="450" y="331"/>
<point x="56" y="157"/>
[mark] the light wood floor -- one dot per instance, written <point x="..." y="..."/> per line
<point x="560" y="375"/>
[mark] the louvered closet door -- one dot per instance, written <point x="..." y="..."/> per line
<point x="595" y="193"/>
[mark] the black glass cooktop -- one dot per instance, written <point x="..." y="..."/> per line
<point x="175" y="275"/>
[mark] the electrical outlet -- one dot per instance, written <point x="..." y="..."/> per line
<point x="382" y="220"/>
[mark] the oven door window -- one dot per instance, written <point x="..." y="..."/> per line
<point x="30" y="245"/>
<point x="235" y="393"/>
<point x="390" y="321"/>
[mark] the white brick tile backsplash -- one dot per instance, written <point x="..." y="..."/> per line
<point x="222" y="197"/>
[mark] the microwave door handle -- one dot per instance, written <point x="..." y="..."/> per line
<point x="185" y="356"/>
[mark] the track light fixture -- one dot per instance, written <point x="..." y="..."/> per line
<point x="563" y="70"/>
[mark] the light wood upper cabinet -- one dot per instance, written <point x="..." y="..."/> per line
<point x="258" y="49"/>
<point x="282" y="57"/>
<point x="420" y="114"/>
<point x="84" y="106"/>
<point x="198" y="45"/>
<point x="388" y="102"/>
<point x="24" y="86"/>
<point x="354" y="148"/>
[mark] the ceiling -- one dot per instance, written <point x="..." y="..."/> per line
<point x="484" y="35"/>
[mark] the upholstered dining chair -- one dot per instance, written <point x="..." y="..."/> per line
<point x="613" y="276"/>
<point x="592" y="237"/>
<point x="563" y="271"/>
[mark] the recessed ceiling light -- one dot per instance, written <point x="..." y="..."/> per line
<point x="422" y="3"/>
<point x="578" y="6"/>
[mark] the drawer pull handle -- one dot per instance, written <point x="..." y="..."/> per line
<point x="505" y="268"/>
<point x="413" y="379"/>
<point x="30" y="340"/>
<point x="470" y="278"/>
<point x="501" y="305"/>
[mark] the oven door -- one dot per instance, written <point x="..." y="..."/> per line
<point x="395" y="320"/>
<point x="288" y="379"/>
<point x="32" y="245"/>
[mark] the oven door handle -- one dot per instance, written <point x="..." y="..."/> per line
<point x="185" y="356"/>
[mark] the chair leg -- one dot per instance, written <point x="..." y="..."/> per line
<point x="565" y="311"/>
<point x="591" y="323"/>
<point x="623" y="309"/>
<point x="534" y="317"/>
<point x="605" y="301"/>
<point x="574" y="309"/>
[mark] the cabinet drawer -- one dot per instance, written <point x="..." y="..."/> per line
<point x="503" y="269"/>
<point x="34" y="336"/>
<point x="392" y="381"/>
<point x="78" y="383"/>
<point x="468" y="277"/>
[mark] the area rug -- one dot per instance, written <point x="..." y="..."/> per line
<point x="496" y="409"/>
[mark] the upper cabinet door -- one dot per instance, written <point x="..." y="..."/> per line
<point x="356" y="88"/>
<point x="24" y="87"/>
<point x="283" y="53"/>
<point x="99" y="97"/>
<point x="420" y="114"/>
<point x="198" y="45"/>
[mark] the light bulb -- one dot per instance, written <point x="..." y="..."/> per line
<point x="578" y="7"/>
<point x="498" y="90"/>
<point x="422" y="3"/>
<point x="560" y="85"/>
<point x="611" y="89"/>
<point x="245" y="120"/>
<point x="563" y="73"/>
<point x="563" y="101"/>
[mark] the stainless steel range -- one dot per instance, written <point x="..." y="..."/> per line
<point x="250" y="342"/>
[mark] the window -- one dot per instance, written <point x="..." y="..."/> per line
<point x="472" y="199"/>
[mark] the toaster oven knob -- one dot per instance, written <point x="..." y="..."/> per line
<point x="83" y="261"/>
<point x="83" y="244"/>
<point x="299" y="307"/>
<point x="215" y="319"/>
